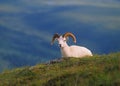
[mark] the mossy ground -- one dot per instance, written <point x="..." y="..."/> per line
<point x="99" y="70"/>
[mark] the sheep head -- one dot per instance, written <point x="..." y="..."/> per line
<point x="63" y="38"/>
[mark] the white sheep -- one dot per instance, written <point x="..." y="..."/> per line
<point x="70" y="51"/>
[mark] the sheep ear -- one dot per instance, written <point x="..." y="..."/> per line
<point x="55" y="36"/>
<point x="67" y="38"/>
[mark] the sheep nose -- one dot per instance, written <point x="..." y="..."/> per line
<point x="60" y="45"/>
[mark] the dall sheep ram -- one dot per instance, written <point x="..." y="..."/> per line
<point x="70" y="51"/>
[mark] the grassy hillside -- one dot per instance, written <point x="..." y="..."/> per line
<point x="99" y="70"/>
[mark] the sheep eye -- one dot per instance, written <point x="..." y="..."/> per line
<point x="64" y="40"/>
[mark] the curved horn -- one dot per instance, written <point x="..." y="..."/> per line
<point x="71" y="35"/>
<point x="54" y="37"/>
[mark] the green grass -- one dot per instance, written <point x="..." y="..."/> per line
<point x="99" y="70"/>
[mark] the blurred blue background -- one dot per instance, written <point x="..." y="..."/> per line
<point x="27" y="27"/>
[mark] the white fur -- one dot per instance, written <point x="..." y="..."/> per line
<point x="72" y="51"/>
